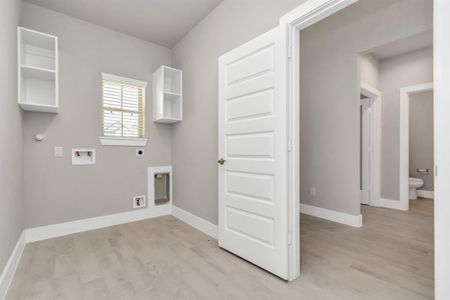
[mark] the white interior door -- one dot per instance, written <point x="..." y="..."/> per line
<point x="253" y="152"/>
<point x="366" y="131"/>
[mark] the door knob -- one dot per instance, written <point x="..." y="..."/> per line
<point x="221" y="161"/>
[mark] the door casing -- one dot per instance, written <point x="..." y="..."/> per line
<point x="405" y="92"/>
<point x="313" y="11"/>
<point x="308" y="13"/>
<point x="374" y="97"/>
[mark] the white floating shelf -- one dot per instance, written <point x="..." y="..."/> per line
<point x="171" y="96"/>
<point x="168" y="120"/>
<point x="37" y="71"/>
<point x="39" y="107"/>
<point x="167" y="95"/>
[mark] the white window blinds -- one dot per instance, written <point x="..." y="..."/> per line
<point x="123" y="107"/>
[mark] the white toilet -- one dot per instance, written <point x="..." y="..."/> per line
<point x="414" y="184"/>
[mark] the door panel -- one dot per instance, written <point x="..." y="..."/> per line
<point x="366" y="129"/>
<point x="251" y="145"/>
<point x="252" y="186"/>
<point x="248" y="107"/>
<point x="253" y="203"/>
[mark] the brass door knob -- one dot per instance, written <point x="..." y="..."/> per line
<point x="221" y="161"/>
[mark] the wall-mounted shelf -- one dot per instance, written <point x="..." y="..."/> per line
<point x="167" y="95"/>
<point x="37" y="71"/>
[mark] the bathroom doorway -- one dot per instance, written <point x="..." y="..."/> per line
<point x="396" y="69"/>
<point x="416" y="143"/>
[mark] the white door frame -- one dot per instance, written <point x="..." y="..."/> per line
<point x="441" y="48"/>
<point x="405" y="94"/>
<point x="306" y="14"/>
<point x="375" y="141"/>
<point x="312" y="11"/>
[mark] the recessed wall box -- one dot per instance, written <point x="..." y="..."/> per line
<point x="162" y="188"/>
<point x="83" y="156"/>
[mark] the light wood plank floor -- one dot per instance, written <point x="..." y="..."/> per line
<point x="391" y="257"/>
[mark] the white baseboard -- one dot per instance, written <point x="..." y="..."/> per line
<point x="331" y="215"/>
<point x="393" y="204"/>
<point x="10" y="269"/>
<point x="61" y="229"/>
<point x="196" y="222"/>
<point x="425" y="194"/>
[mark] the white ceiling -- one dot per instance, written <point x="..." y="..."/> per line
<point x="162" y="22"/>
<point x="409" y="44"/>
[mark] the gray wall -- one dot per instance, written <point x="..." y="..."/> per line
<point x="330" y="93"/>
<point x="421" y="137"/>
<point x="56" y="191"/>
<point x="11" y="148"/>
<point x="395" y="73"/>
<point x="369" y="70"/>
<point x="194" y="155"/>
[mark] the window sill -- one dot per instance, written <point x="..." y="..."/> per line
<point x="122" y="141"/>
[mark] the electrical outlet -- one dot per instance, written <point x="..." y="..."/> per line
<point x="312" y="191"/>
<point x="139" y="202"/>
<point x="140" y="152"/>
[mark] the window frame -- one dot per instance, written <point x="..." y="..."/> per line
<point x="123" y="140"/>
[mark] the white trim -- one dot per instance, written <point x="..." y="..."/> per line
<point x="164" y="208"/>
<point x="331" y="215"/>
<point x="393" y="204"/>
<point x="124" y="80"/>
<point x="66" y="228"/>
<point x="425" y="194"/>
<point x="312" y="11"/>
<point x="11" y="266"/>
<point x="375" y="159"/>
<point x="171" y="68"/>
<point x="405" y="92"/>
<point x="61" y="229"/>
<point x="37" y="32"/>
<point x="122" y="141"/>
<point x="195" y="221"/>
<point x="441" y="57"/>
<point x="40" y="233"/>
<point x="306" y="14"/>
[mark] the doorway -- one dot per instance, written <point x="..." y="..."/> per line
<point x="405" y="96"/>
<point x="299" y="19"/>
<point x="333" y="179"/>
<point x="370" y="129"/>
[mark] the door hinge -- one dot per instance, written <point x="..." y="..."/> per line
<point x="435" y="171"/>
<point x="290" y="52"/>
<point x="290" y="238"/>
<point x="290" y="145"/>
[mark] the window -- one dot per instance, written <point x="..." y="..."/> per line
<point x="123" y="108"/>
